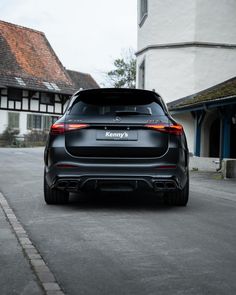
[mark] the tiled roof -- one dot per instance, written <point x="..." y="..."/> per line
<point x="82" y="80"/>
<point x="27" y="54"/>
<point x="224" y="90"/>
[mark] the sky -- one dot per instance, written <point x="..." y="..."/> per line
<point x="87" y="35"/>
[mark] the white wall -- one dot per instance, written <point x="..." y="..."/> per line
<point x="169" y="71"/>
<point x="213" y="66"/>
<point x="179" y="72"/>
<point x="3" y="120"/>
<point x="171" y="21"/>
<point x="22" y="120"/>
<point x="187" y="121"/>
<point x="215" y="21"/>
<point x="23" y="123"/>
<point x="168" y="21"/>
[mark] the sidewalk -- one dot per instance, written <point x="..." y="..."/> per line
<point x="16" y="276"/>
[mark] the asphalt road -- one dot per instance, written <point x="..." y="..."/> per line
<point x="127" y="244"/>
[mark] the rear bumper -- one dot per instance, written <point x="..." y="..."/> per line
<point x="169" y="172"/>
<point x="117" y="179"/>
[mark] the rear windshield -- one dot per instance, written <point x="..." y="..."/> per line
<point x="115" y="107"/>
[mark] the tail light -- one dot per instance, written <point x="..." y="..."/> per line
<point x="57" y="128"/>
<point x="61" y="128"/>
<point x="176" y="129"/>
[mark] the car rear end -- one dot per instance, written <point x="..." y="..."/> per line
<point x="116" y="140"/>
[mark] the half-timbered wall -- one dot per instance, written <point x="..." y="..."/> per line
<point x="31" y="102"/>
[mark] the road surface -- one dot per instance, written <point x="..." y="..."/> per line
<point x="125" y="244"/>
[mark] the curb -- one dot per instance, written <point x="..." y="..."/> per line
<point x="44" y="275"/>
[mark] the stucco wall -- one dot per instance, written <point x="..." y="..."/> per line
<point x="167" y="22"/>
<point x="169" y="71"/>
<point x="187" y="121"/>
<point x="3" y="121"/>
<point x="213" y="66"/>
<point x="22" y="120"/>
<point x="171" y="21"/>
<point x="215" y="21"/>
<point x="179" y="72"/>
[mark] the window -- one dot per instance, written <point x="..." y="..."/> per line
<point x="47" y="98"/>
<point x="143" y="11"/>
<point x="34" y="121"/>
<point x="14" y="94"/>
<point x="142" y="75"/>
<point x="111" y="105"/>
<point x="13" y="120"/>
<point x="110" y="111"/>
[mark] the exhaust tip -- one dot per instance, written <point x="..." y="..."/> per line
<point x="164" y="185"/>
<point x="70" y="185"/>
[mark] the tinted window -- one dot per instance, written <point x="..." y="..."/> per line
<point x="91" y="109"/>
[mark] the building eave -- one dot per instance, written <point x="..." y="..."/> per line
<point x="203" y="105"/>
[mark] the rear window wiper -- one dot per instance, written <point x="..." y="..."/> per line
<point x="120" y="113"/>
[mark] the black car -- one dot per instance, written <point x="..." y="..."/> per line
<point x="116" y="140"/>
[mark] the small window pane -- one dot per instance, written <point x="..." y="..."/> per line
<point x="47" y="98"/>
<point x="14" y="94"/>
<point x="143" y="8"/>
<point x="142" y="75"/>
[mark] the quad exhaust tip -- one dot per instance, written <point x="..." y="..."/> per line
<point x="71" y="185"/>
<point x="164" y="185"/>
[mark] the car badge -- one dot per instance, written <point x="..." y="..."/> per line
<point x="117" y="119"/>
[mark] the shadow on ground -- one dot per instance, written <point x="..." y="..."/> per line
<point x="117" y="201"/>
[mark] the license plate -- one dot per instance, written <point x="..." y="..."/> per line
<point x="119" y="135"/>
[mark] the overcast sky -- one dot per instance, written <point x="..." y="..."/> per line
<point x="87" y="35"/>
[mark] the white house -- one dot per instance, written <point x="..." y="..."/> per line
<point x="185" y="47"/>
<point x="34" y="85"/>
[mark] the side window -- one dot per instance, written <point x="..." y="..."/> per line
<point x="142" y="75"/>
<point x="13" y="120"/>
<point x="143" y="11"/>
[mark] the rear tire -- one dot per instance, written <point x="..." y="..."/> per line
<point x="53" y="196"/>
<point x="178" y="198"/>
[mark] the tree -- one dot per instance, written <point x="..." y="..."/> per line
<point x="124" y="73"/>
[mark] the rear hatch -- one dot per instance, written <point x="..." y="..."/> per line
<point x="114" y="125"/>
